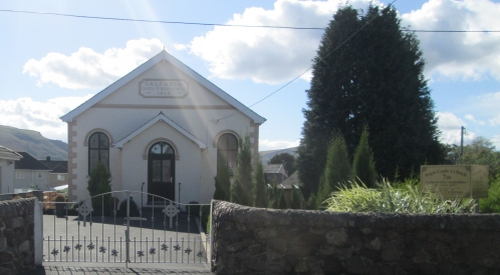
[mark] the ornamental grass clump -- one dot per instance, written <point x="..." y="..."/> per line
<point x="399" y="198"/>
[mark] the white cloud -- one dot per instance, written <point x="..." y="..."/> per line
<point x="450" y="126"/>
<point x="268" y="55"/>
<point x="180" y="47"/>
<point x="468" y="56"/>
<point x="265" y="144"/>
<point x="44" y="117"/>
<point x="89" y="69"/>
<point x="473" y="119"/>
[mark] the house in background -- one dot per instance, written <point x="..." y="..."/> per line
<point x="162" y="128"/>
<point x="274" y="173"/>
<point x="58" y="173"/>
<point x="7" y="169"/>
<point x="287" y="185"/>
<point x="31" y="173"/>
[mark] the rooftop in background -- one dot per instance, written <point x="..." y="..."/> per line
<point x="6" y="153"/>
<point x="29" y="162"/>
<point x="57" y="166"/>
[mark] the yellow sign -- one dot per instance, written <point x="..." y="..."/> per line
<point x="455" y="181"/>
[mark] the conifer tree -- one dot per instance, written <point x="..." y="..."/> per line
<point x="241" y="190"/>
<point x="373" y="76"/>
<point x="337" y="170"/>
<point x="363" y="164"/>
<point x="222" y="184"/>
<point x="99" y="183"/>
<point x="260" y="187"/>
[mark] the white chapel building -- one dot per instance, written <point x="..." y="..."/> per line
<point x="163" y="125"/>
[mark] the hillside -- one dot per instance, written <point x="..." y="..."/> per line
<point x="266" y="156"/>
<point x="33" y="143"/>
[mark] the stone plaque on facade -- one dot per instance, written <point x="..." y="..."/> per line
<point x="455" y="181"/>
<point x="163" y="88"/>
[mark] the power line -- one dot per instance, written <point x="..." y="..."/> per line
<point x="321" y="58"/>
<point x="228" y="25"/>
<point x="161" y="21"/>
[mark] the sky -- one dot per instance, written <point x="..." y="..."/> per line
<point x="50" y="64"/>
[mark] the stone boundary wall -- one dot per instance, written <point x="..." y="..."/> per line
<point x="17" y="236"/>
<point x="250" y="240"/>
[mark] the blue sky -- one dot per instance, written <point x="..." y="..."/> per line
<point x="50" y="64"/>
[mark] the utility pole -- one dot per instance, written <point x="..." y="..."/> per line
<point x="462" y="141"/>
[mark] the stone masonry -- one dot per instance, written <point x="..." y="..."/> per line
<point x="17" y="236"/>
<point x="263" y="241"/>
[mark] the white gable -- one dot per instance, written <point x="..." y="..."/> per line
<point x="159" y="118"/>
<point x="163" y="56"/>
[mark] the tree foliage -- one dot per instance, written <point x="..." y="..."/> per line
<point x="480" y="152"/>
<point x="260" y="186"/>
<point x="222" y="184"/>
<point x="374" y="78"/>
<point x="241" y="190"/>
<point x="99" y="183"/>
<point x="363" y="166"/>
<point x="337" y="169"/>
<point x="287" y="160"/>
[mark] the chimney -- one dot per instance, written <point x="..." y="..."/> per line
<point x="47" y="158"/>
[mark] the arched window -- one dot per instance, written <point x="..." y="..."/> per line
<point x="227" y="150"/>
<point x="98" y="150"/>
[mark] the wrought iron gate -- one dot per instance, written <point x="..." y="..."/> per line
<point x="100" y="229"/>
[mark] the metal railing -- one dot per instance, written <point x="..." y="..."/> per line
<point x="161" y="232"/>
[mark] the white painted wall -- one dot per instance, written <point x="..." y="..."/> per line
<point x="125" y="111"/>
<point x="7" y="176"/>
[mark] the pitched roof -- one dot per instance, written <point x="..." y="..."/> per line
<point x="291" y="180"/>
<point x="163" y="55"/>
<point x="29" y="162"/>
<point x="6" y="153"/>
<point x="59" y="169"/>
<point x="273" y="168"/>
<point x="52" y="164"/>
<point x="164" y="118"/>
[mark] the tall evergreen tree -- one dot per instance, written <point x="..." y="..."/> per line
<point x="222" y="184"/>
<point x="241" y="190"/>
<point x="260" y="186"/>
<point x="373" y="78"/>
<point x="363" y="166"/>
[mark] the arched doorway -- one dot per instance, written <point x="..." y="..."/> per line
<point x="161" y="171"/>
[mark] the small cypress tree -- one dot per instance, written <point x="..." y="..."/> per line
<point x="363" y="164"/>
<point x="312" y="202"/>
<point x="222" y="184"/>
<point x="99" y="183"/>
<point x="297" y="199"/>
<point x="338" y="168"/>
<point x="324" y="192"/>
<point x="272" y="195"/>
<point x="241" y="190"/>
<point x="260" y="188"/>
<point x="281" y="204"/>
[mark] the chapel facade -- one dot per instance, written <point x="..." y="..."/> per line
<point x="162" y="129"/>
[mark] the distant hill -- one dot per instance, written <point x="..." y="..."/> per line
<point x="33" y="143"/>
<point x="266" y="156"/>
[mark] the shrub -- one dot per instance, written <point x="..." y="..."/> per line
<point x="491" y="204"/>
<point x="405" y="198"/>
<point x="99" y="183"/>
<point x="134" y="210"/>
